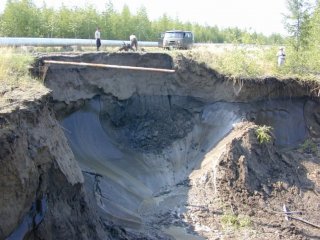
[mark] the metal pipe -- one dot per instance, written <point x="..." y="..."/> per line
<point x="110" y="66"/>
<point x="21" y="41"/>
<point x="12" y="41"/>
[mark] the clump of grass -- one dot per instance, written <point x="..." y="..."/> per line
<point x="14" y="67"/>
<point x="231" y="220"/>
<point x="16" y="82"/>
<point x="263" y="134"/>
<point x="309" y="147"/>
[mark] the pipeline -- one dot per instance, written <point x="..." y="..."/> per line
<point x="22" y="41"/>
<point x="12" y="41"/>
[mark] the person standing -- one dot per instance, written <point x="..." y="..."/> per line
<point x="281" y="56"/>
<point x="97" y="37"/>
<point x="133" y="41"/>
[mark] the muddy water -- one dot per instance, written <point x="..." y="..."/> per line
<point x="136" y="187"/>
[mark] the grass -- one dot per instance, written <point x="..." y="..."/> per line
<point x="251" y="61"/>
<point x="14" y="67"/>
<point x="308" y="146"/>
<point x="229" y="220"/>
<point x="236" y="61"/>
<point x="14" y="73"/>
<point x="263" y="134"/>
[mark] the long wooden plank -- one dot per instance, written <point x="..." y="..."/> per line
<point x="110" y="66"/>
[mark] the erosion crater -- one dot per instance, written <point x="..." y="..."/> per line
<point x="158" y="151"/>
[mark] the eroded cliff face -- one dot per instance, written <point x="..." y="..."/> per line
<point x="42" y="194"/>
<point x="70" y="83"/>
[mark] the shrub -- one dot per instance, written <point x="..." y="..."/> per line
<point x="263" y="134"/>
<point x="309" y="147"/>
<point x="231" y="220"/>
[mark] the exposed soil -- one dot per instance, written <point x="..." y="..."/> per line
<point x="253" y="182"/>
<point x="119" y="154"/>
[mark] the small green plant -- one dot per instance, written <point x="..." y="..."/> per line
<point x="234" y="221"/>
<point x="309" y="147"/>
<point x="263" y="134"/>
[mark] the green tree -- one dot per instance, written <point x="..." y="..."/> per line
<point x="126" y="23"/>
<point x="232" y="35"/>
<point x="88" y="20"/>
<point x="297" y="23"/>
<point x="165" y="23"/>
<point x="48" y="22"/>
<point x="246" y="37"/>
<point x="313" y="53"/>
<point x="64" y="15"/>
<point x="275" y="39"/>
<point x="109" y="18"/>
<point x="20" y="19"/>
<point x="142" y="24"/>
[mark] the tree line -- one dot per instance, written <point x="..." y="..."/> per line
<point x="22" y="18"/>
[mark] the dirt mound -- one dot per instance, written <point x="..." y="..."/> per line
<point x="251" y="166"/>
<point x="244" y="196"/>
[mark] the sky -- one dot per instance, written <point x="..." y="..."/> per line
<point x="262" y="16"/>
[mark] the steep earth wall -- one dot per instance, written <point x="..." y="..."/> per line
<point x="42" y="194"/>
<point x="191" y="79"/>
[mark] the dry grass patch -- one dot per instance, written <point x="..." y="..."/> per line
<point x="14" y="66"/>
<point x="15" y="80"/>
<point x="250" y="61"/>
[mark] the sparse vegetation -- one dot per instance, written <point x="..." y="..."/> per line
<point x="253" y="61"/>
<point x="14" y="73"/>
<point x="263" y="134"/>
<point x="14" y="66"/>
<point x="309" y="147"/>
<point x="231" y="220"/>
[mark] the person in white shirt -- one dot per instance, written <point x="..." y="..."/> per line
<point x="133" y="41"/>
<point x="281" y="56"/>
<point x="97" y="37"/>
